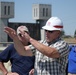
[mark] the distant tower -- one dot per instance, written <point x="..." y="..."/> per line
<point x="6" y="12"/>
<point x="41" y="13"/>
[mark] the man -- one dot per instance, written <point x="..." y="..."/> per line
<point x="72" y="60"/>
<point x="20" y="65"/>
<point x="50" y="54"/>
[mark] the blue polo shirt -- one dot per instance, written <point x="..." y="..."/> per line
<point x="72" y="60"/>
<point x="20" y="64"/>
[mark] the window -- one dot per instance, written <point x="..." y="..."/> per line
<point x="4" y="10"/>
<point x="43" y="11"/>
<point x="46" y="12"/>
<point x="8" y="10"/>
<point x="34" y="12"/>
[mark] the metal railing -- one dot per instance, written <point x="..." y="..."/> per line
<point x="5" y="43"/>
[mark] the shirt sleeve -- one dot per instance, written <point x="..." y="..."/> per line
<point x="5" y="54"/>
<point x="62" y="47"/>
<point x="32" y="49"/>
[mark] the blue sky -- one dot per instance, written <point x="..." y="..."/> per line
<point x="64" y="9"/>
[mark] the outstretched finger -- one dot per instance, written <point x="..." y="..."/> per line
<point x="9" y="29"/>
<point x="11" y="32"/>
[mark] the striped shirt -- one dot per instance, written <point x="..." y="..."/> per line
<point x="45" y="65"/>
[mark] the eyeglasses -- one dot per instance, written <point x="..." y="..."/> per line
<point x="49" y="31"/>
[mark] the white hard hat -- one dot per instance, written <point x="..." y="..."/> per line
<point x="54" y="23"/>
<point x="24" y="28"/>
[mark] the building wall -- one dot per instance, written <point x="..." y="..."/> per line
<point x="41" y="11"/>
<point x="7" y="9"/>
<point x="3" y="35"/>
<point x="6" y="12"/>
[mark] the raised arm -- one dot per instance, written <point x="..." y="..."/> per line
<point x="21" y="49"/>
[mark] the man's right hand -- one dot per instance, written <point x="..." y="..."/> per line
<point x="11" y="32"/>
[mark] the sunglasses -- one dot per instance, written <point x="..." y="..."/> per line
<point x="20" y="35"/>
<point x="49" y="31"/>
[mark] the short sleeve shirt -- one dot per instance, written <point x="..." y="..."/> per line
<point x="20" y="64"/>
<point x="51" y="66"/>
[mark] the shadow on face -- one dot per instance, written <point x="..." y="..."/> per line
<point x="52" y="35"/>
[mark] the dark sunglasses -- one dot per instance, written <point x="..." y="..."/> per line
<point x="20" y="35"/>
<point x="49" y="31"/>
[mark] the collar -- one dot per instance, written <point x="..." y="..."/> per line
<point x="52" y="42"/>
